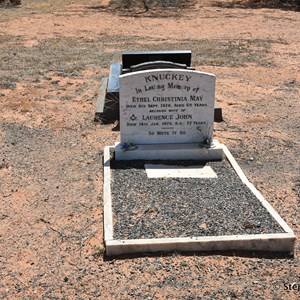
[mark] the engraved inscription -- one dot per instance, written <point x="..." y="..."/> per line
<point x="166" y="106"/>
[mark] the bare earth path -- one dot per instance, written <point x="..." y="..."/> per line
<point x="52" y="58"/>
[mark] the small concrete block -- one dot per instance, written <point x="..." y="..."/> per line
<point x="101" y="99"/>
<point x="171" y="152"/>
<point x="113" y="80"/>
<point x="218" y="117"/>
<point x="171" y="171"/>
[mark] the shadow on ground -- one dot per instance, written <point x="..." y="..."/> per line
<point x="245" y="254"/>
<point x="293" y="5"/>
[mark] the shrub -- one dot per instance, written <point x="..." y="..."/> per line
<point x="147" y="4"/>
<point x="15" y="2"/>
<point x="10" y="2"/>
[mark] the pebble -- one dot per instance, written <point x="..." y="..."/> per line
<point x="184" y="207"/>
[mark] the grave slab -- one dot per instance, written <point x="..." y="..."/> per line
<point x="248" y="221"/>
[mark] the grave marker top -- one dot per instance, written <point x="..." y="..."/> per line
<point x="133" y="58"/>
<point x="167" y="106"/>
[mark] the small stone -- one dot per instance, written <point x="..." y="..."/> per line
<point x="203" y="226"/>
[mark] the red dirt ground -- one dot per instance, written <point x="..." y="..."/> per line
<point x="53" y="57"/>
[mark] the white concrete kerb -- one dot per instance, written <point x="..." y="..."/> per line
<point x="275" y="242"/>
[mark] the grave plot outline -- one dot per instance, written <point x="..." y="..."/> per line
<point x="273" y="242"/>
<point x="195" y="92"/>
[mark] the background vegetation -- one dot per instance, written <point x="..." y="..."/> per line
<point x="10" y="2"/>
<point x="149" y="4"/>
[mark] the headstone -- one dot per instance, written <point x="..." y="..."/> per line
<point x="134" y="58"/>
<point x="107" y="108"/>
<point x="166" y="108"/>
<point x="159" y="107"/>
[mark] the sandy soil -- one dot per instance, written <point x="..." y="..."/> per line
<point x="53" y="57"/>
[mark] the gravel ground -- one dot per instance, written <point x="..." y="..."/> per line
<point x="183" y="207"/>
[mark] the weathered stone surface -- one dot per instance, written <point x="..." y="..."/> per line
<point x="167" y="106"/>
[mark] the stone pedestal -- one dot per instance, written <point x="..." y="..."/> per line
<point x="192" y="151"/>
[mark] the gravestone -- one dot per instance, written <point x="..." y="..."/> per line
<point x="134" y="58"/>
<point x="167" y="114"/>
<point x="107" y="108"/>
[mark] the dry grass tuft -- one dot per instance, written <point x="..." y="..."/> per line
<point x="281" y="4"/>
<point x="10" y="2"/>
<point x="150" y="4"/>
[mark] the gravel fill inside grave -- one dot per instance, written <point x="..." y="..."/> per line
<point x="184" y="207"/>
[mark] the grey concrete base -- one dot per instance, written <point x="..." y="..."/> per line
<point x="275" y="242"/>
<point x="171" y="152"/>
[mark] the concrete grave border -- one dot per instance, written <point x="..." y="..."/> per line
<point x="274" y="242"/>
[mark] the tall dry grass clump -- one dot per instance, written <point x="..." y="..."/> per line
<point x="149" y="4"/>
<point x="10" y="2"/>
